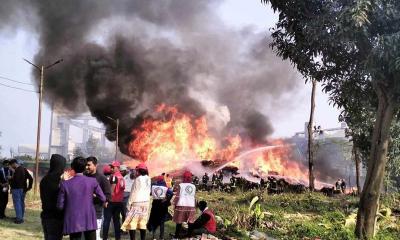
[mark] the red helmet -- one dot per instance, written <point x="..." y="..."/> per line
<point x="115" y="164"/>
<point x="141" y="166"/>
<point x="187" y="174"/>
<point x="187" y="177"/>
<point x="107" y="169"/>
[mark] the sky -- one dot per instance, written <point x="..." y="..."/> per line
<point x="18" y="118"/>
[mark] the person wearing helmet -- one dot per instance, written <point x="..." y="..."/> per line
<point x="115" y="206"/>
<point x="138" y="203"/>
<point x="107" y="171"/>
<point x="185" y="206"/>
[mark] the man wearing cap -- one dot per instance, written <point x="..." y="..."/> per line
<point x="115" y="206"/>
<point x="107" y="172"/>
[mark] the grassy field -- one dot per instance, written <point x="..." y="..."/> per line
<point x="298" y="216"/>
<point x="284" y="216"/>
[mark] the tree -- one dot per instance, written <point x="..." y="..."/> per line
<point x="392" y="180"/>
<point x="355" y="44"/>
<point x="92" y="146"/>
<point x="78" y="152"/>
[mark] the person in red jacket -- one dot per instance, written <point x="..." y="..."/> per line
<point x="115" y="206"/>
<point x="205" y="223"/>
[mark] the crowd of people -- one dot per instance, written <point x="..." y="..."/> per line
<point x="81" y="202"/>
<point x="16" y="180"/>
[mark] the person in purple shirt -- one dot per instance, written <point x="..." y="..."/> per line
<point x="76" y="199"/>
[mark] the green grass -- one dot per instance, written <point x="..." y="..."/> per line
<point x="284" y="216"/>
<point x="30" y="229"/>
<point x="297" y="216"/>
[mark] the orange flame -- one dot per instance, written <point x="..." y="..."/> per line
<point x="278" y="161"/>
<point x="175" y="140"/>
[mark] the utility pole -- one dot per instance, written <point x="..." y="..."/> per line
<point x="41" y="69"/>
<point x="311" y="177"/>
<point x="117" y="135"/>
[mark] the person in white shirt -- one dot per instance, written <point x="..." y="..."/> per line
<point x="129" y="178"/>
<point x="138" y="203"/>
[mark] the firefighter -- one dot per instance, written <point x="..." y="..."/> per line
<point x="214" y="180"/>
<point x="196" y="180"/>
<point x="205" y="180"/>
<point x="343" y="186"/>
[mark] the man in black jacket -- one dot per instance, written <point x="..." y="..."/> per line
<point x="52" y="217"/>
<point x="19" y="188"/>
<point x="91" y="171"/>
<point x="4" y="187"/>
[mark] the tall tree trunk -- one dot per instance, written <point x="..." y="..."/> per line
<point x="358" y="167"/>
<point x="310" y="139"/>
<point x="369" y="200"/>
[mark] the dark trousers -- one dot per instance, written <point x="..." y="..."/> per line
<point x="52" y="229"/>
<point x="178" y="230"/>
<point x="89" y="235"/>
<point x="113" y="211"/>
<point x="161" y="231"/>
<point x="132" y="234"/>
<point x="3" y="203"/>
<point x="125" y="208"/>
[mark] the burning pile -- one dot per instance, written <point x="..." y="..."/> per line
<point x="170" y="140"/>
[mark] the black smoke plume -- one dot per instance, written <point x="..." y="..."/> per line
<point x="123" y="57"/>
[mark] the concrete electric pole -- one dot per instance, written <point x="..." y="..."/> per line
<point x="41" y="69"/>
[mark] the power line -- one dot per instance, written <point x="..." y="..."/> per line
<point x="22" y="89"/>
<point x="9" y="79"/>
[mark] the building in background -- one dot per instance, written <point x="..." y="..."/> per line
<point x="60" y="140"/>
<point x="30" y="150"/>
<point x="333" y="154"/>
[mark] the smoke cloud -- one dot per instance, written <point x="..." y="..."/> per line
<point x="123" y="57"/>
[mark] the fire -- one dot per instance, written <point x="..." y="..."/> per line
<point x="177" y="139"/>
<point x="278" y="161"/>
